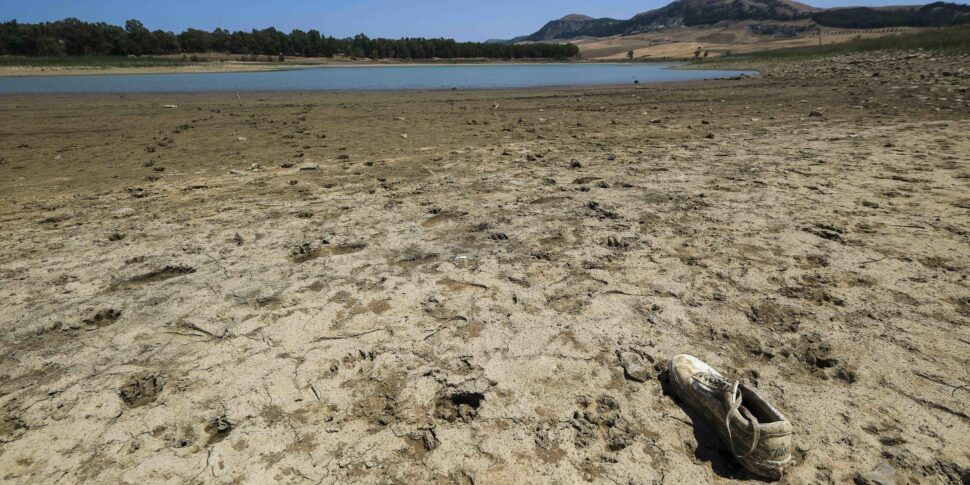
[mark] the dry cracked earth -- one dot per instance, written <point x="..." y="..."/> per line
<point x="286" y="288"/>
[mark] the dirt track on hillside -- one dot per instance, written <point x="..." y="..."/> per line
<point x="286" y="288"/>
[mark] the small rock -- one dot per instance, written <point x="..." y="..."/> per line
<point x="655" y="120"/>
<point x="884" y="474"/>
<point x="815" y="113"/>
<point x="309" y="167"/>
<point x="241" y="138"/>
<point x="634" y="367"/>
<point x="123" y="212"/>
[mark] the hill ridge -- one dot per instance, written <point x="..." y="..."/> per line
<point x="706" y="12"/>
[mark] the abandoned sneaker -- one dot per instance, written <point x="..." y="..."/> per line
<point x="758" y="435"/>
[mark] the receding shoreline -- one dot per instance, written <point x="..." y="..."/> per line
<point x="240" y="66"/>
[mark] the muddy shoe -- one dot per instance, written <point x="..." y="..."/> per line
<point x="757" y="433"/>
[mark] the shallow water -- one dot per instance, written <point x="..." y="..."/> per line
<point x="365" y="78"/>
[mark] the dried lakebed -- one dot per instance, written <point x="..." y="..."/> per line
<point x="284" y="288"/>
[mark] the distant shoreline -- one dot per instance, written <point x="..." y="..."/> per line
<point x="240" y="66"/>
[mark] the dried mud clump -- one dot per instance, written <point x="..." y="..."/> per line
<point x="157" y="276"/>
<point x="304" y="252"/>
<point x="637" y="366"/>
<point x="141" y="390"/>
<point x="103" y="318"/>
<point x="602" y="421"/>
<point x="218" y="429"/>
<point x="11" y="427"/>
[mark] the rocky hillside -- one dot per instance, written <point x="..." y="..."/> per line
<point x="707" y="12"/>
<point x="677" y="13"/>
<point x="572" y="26"/>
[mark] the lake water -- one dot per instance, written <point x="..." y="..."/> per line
<point x="365" y="78"/>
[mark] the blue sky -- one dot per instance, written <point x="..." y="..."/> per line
<point x="459" y="19"/>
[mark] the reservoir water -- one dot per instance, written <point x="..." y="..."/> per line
<point x="366" y="78"/>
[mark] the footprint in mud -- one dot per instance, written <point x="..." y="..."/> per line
<point x="548" y="200"/>
<point x="813" y="293"/>
<point x="103" y="318"/>
<point x="141" y="390"/>
<point x="455" y="285"/>
<point x="826" y="231"/>
<point x="773" y="315"/>
<point x="460" y="406"/>
<point x="962" y="305"/>
<point x="936" y="262"/>
<point x="413" y="258"/>
<point x="812" y="261"/>
<point x="308" y="252"/>
<point x="817" y="357"/>
<point x="166" y="273"/>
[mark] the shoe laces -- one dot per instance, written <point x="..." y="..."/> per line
<point x="735" y="405"/>
<point x="715" y="382"/>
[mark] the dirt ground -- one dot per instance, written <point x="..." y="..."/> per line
<point x="716" y="40"/>
<point x="286" y="288"/>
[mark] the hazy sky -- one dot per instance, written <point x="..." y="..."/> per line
<point x="459" y="19"/>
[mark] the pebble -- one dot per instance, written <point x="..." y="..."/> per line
<point x="884" y="474"/>
<point x="634" y="367"/>
<point x="123" y="212"/>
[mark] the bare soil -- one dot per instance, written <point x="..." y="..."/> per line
<point x="283" y="287"/>
<point x="717" y="40"/>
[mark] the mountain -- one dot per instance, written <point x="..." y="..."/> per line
<point x="707" y="12"/>
<point x="573" y="25"/>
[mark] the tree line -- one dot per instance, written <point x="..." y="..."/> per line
<point x="72" y="37"/>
